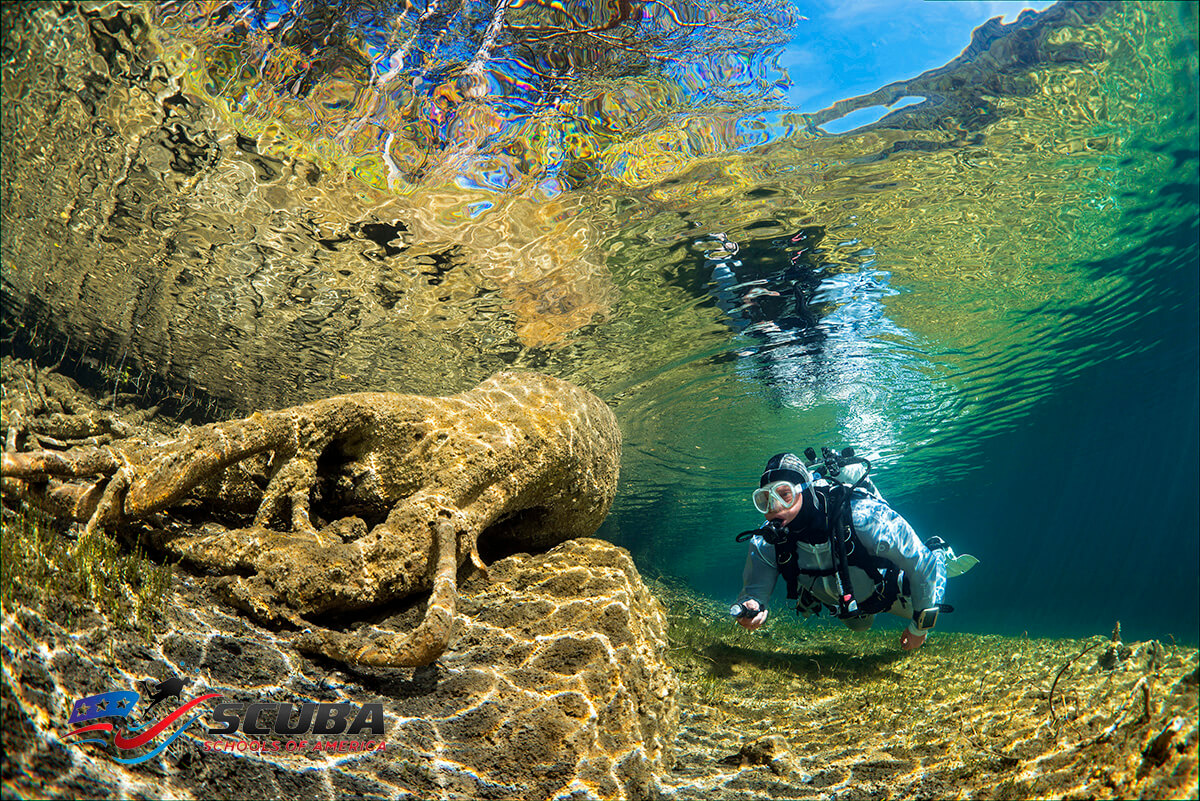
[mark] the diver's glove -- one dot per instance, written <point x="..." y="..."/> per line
<point x="748" y="614"/>
<point x="913" y="637"/>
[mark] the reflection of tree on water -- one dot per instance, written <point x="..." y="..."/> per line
<point x="812" y="331"/>
<point x="415" y="80"/>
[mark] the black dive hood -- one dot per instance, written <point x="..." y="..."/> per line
<point x="811" y="524"/>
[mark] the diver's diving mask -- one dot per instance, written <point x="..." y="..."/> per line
<point x="776" y="495"/>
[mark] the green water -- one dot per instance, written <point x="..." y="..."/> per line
<point x="991" y="294"/>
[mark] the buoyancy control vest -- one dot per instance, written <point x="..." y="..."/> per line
<point x="829" y="519"/>
<point x="834" y="524"/>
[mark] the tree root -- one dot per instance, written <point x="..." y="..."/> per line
<point x="421" y="646"/>
<point x="524" y="459"/>
<point x="50" y="410"/>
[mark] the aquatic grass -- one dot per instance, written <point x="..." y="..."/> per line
<point x="31" y="555"/>
<point x="128" y="587"/>
<point x="39" y="564"/>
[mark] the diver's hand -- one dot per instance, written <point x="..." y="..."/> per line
<point x="751" y="623"/>
<point x="913" y="638"/>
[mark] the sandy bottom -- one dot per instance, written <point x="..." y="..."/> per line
<point x="814" y="711"/>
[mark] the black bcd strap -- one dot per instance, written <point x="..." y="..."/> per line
<point x="841" y="533"/>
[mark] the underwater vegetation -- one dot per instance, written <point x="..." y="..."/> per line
<point x="813" y="711"/>
<point x="41" y="557"/>
<point x="39" y="562"/>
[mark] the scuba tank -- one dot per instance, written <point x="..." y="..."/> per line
<point x="851" y="472"/>
<point x="842" y="468"/>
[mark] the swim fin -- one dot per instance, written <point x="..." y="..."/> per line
<point x="957" y="565"/>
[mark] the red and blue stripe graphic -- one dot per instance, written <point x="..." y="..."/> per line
<point x="120" y="704"/>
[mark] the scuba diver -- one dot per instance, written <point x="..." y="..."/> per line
<point x="758" y="298"/>
<point x="840" y="547"/>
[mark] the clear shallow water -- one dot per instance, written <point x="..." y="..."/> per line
<point x="991" y="293"/>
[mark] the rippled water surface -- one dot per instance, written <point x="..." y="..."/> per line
<point x="991" y="291"/>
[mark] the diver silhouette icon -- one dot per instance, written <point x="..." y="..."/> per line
<point x="161" y="691"/>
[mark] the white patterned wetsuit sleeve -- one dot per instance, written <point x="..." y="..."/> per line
<point x="760" y="573"/>
<point x="892" y="538"/>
